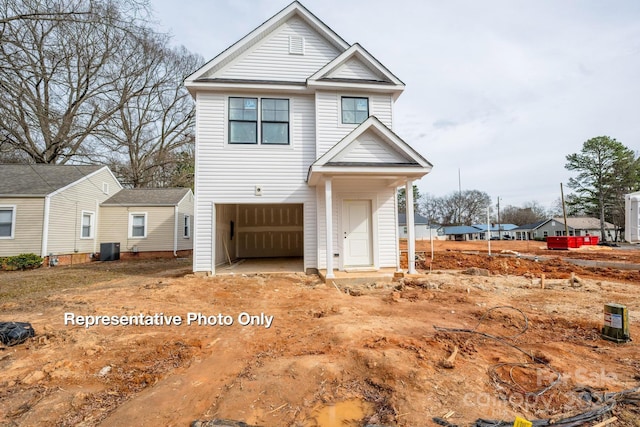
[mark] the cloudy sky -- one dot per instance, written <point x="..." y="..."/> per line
<point x="501" y="91"/>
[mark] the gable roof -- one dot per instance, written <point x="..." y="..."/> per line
<point x="328" y="75"/>
<point x="251" y="39"/>
<point x="460" y="229"/>
<point x="147" y="197"/>
<point x="417" y="219"/>
<point x="584" y="223"/>
<point x="531" y="226"/>
<point x="408" y="160"/>
<point x="494" y="227"/>
<point x="39" y="180"/>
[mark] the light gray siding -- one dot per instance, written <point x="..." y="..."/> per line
<point x="355" y="69"/>
<point x="66" y="210"/>
<point x="270" y="59"/>
<point x="185" y="208"/>
<point x="369" y="148"/>
<point x="330" y="129"/>
<point x="27" y="236"/>
<point x="383" y="218"/>
<point x="229" y="174"/>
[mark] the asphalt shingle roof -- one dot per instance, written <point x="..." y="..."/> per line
<point x="39" y="179"/>
<point x="147" y="197"/>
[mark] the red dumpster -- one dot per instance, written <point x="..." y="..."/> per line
<point x="591" y="240"/>
<point x="564" y="242"/>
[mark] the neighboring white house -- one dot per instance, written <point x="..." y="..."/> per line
<point x="53" y="209"/>
<point x="295" y="153"/>
<point x="632" y="217"/>
<point x="423" y="230"/>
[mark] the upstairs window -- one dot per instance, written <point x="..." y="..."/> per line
<point x="354" y="110"/>
<point x="243" y="120"/>
<point x="273" y="120"/>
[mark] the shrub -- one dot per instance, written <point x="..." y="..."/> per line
<point x="21" y="262"/>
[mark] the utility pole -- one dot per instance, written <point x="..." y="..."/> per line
<point x="499" y="223"/>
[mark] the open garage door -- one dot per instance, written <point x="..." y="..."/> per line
<point x="260" y="230"/>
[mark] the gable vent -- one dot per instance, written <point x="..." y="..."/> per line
<point x="296" y="45"/>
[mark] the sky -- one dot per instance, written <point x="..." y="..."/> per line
<point x="497" y="93"/>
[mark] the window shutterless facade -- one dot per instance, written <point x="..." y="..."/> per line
<point x="270" y="127"/>
<point x="354" y="110"/>
<point x="138" y="225"/>
<point x="7" y="221"/>
<point x="87" y="225"/>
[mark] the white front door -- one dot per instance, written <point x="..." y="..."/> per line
<point x="356" y="233"/>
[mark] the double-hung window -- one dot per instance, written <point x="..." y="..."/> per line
<point x="187" y="227"/>
<point x="258" y="120"/>
<point x="7" y="221"/>
<point x="138" y="225"/>
<point x="87" y="225"/>
<point x="354" y="110"/>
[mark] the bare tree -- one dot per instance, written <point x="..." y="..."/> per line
<point x="458" y="208"/>
<point x="61" y="78"/>
<point x="529" y="213"/>
<point x="153" y="131"/>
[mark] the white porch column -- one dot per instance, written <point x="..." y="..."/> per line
<point x="328" y="199"/>
<point x="411" y="231"/>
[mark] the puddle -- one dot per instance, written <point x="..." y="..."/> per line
<point x="342" y="414"/>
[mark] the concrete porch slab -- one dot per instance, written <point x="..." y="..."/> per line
<point x="359" y="277"/>
<point x="261" y="266"/>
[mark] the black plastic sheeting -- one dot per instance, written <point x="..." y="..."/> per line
<point x="13" y="333"/>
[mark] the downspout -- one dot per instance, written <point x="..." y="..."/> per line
<point x="45" y="226"/>
<point x="175" y="232"/>
<point x="95" y="228"/>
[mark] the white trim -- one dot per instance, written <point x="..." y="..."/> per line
<point x="214" y="226"/>
<point x="92" y="224"/>
<point x="411" y="229"/>
<point x="95" y="241"/>
<point x="328" y="204"/>
<point x="45" y="226"/>
<point x="86" y="177"/>
<point x="105" y="188"/>
<point x="260" y="32"/>
<point x="372" y="197"/>
<point x="12" y="234"/>
<point x="358" y="52"/>
<point x="130" y="227"/>
<point x="176" y="222"/>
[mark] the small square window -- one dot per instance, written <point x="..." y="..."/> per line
<point x="354" y="110"/>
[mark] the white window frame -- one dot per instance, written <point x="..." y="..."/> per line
<point x="13" y="221"/>
<point x="131" y="216"/>
<point x="105" y="188"/>
<point x="92" y="216"/>
<point x="186" y="227"/>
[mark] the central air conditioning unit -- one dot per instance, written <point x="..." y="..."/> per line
<point x="109" y="251"/>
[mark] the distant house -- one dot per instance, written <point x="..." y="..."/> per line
<point x="632" y="217"/>
<point x="461" y="232"/>
<point x="53" y="210"/>
<point x="148" y="220"/>
<point x="577" y="226"/>
<point x="423" y="230"/>
<point x="496" y="231"/>
<point x="64" y="212"/>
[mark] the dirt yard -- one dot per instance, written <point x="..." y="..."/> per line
<point x="292" y="351"/>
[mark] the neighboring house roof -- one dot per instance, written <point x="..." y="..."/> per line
<point x="532" y="226"/>
<point x="147" y="197"/>
<point x="584" y="223"/>
<point x="39" y="180"/>
<point x="494" y="227"/>
<point x="460" y="229"/>
<point x="417" y="219"/>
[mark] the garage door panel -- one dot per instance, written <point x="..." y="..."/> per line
<point x="270" y="231"/>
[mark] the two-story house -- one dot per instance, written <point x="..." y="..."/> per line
<point x="295" y="152"/>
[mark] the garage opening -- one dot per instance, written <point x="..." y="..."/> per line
<point x="264" y="237"/>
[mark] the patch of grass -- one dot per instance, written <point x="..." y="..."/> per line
<point x="20" y="286"/>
